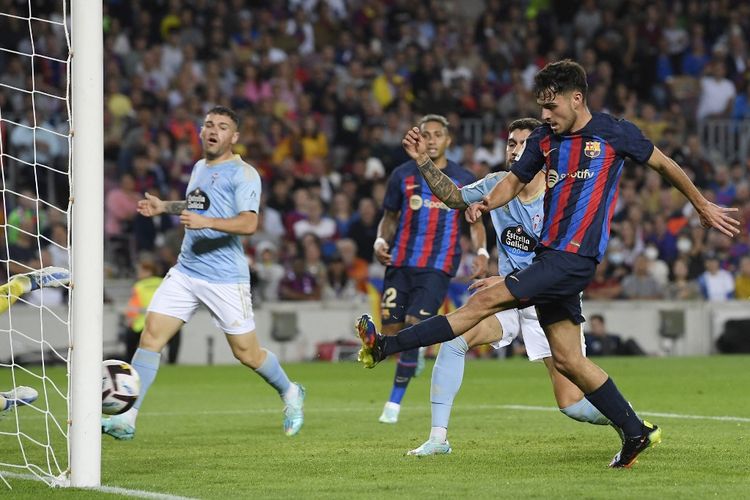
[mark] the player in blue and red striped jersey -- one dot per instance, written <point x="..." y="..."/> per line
<point x="583" y="154"/>
<point x="418" y="241"/>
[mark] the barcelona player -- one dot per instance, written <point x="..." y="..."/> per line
<point x="418" y="241"/>
<point x="584" y="155"/>
<point x="518" y="226"/>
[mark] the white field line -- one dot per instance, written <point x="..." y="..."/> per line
<point x="115" y="490"/>
<point x="425" y="408"/>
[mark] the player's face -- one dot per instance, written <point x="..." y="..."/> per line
<point x="561" y="110"/>
<point x="218" y="135"/>
<point x="437" y="139"/>
<point x="515" y="145"/>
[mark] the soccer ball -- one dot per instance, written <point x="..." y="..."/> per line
<point x="120" y="386"/>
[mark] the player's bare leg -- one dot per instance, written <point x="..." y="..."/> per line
<point x="248" y="351"/>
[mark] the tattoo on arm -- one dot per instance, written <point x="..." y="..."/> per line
<point x="175" y="207"/>
<point x="387" y="227"/>
<point x="441" y="185"/>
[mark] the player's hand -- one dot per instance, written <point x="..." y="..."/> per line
<point x="479" y="267"/>
<point x="474" y="211"/>
<point x="713" y="215"/>
<point x="382" y="253"/>
<point x="150" y="206"/>
<point x="191" y="220"/>
<point x="484" y="283"/>
<point x="415" y="146"/>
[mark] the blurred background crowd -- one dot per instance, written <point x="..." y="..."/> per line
<point x="326" y="89"/>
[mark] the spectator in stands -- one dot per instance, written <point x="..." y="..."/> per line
<point x="269" y="271"/>
<point x="356" y="267"/>
<point x="598" y="341"/>
<point x="316" y="222"/>
<point x="338" y="285"/>
<point x="364" y="228"/>
<point x="640" y="285"/>
<point x="742" y="281"/>
<point x="716" y="284"/>
<point x="299" y="284"/>
<point x="606" y="283"/>
<point x="681" y="287"/>
<point x="26" y="211"/>
<point x="717" y="92"/>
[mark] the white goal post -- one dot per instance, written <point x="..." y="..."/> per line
<point x="87" y="249"/>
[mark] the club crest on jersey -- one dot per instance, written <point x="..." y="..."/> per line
<point x="592" y="149"/>
<point x="198" y="200"/>
<point x="415" y="202"/>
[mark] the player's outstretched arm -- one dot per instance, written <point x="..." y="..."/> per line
<point x="153" y="205"/>
<point x="711" y="215"/>
<point x="440" y="184"/>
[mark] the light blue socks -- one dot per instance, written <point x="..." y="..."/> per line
<point x="584" y="411"/>
<point x="272" y="372"/>
<point x="146" y="363"/>
<point x="447" y="375"/>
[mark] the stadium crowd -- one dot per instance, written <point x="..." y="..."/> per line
<point x="326" y="89"/>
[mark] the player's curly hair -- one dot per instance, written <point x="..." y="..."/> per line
<point x="225" y="111"/>
<point x="524" y="124"/>
<point x="559" y="77"/>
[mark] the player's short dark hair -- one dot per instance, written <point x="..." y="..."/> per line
<point x="559" y="77"/>
<point x="524" y="124"/>
<point x="225" y="111"/>
<point x="435" y="118"/>
<point x="598" y="317"/>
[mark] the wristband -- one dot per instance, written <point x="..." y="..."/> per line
<point x="483" y="251"/>
<point x="378" y="242"/>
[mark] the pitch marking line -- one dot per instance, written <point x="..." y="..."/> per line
<point x="115" y="490"/>
<point x="357" y="409"/>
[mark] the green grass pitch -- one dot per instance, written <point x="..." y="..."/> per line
<point x="216" y="432"/>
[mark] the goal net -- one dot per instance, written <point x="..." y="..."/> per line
<point x="40" y="346"/>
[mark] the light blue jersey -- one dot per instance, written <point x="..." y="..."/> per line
<point x="223" y="191"/>
<point x="517" y="224"/>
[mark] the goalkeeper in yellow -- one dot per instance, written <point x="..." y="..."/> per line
<point x="19" y="285"/>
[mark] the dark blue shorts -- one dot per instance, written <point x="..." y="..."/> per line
<point x="413" y="291"/>
<point x="553" y="283"/>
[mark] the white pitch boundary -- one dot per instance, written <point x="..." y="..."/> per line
<point x="115" y="490"/>
<point x="357" y="409"/>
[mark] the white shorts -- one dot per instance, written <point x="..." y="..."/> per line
<point x="230" y="304"/>
<point x="524" y="322"/>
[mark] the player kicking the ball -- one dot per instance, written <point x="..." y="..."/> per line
<point x="518" y="228"/>
<point x="223" y="198"/>
<point x="584" y="155"/>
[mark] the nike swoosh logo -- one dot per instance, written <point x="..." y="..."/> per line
<point x="513" y="278"/>
<point x="411" y="186"/>
<point x="423" y="312"/>
<point x="548" y="152"/>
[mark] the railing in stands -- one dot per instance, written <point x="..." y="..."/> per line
<point x="728" y="140"/>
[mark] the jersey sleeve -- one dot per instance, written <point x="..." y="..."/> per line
<point x="634" y="144"/>
<point x="531" y="159"/>
<point x="247" y="190"/>
<point x="474" y="192"/>
<point x="393" y="199"/>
